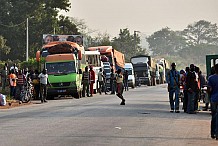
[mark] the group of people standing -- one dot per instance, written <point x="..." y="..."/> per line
<point x="117" y="81"/>
<point x="17" y="78"/>
<point x="192" y="81"/>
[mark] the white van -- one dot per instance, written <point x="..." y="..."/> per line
<point x="131" y="77"/>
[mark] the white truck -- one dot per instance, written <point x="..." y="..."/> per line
<point x="131" y="77"/>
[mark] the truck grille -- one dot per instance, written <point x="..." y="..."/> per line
<point x="61" y="84"/>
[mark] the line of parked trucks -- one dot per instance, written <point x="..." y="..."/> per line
<point x="65" y="60"/>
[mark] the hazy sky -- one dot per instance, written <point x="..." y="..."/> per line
<point x="146" y="16"/>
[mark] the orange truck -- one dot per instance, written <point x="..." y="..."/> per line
<point x="116" y="58"/>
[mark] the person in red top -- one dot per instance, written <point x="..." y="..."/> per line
<point x="92" y="80"/>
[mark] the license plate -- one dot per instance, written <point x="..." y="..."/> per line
<point x="61" y="91"/>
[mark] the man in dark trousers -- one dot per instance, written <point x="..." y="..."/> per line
<point x="126" y="75"/>
<point x="173" y="78"/>
<point x="43" y="85"/>
<point x="192" y="89"/>
<point x="213" y="90"/>
<point x="85" y="82"/>
<point x="92" y="80"/>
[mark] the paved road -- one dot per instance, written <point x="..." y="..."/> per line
<point x="145" y="120"/>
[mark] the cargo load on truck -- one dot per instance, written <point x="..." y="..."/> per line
<point x="115" y="57"/>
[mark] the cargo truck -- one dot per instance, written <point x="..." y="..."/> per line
<point x="64" y="61"/>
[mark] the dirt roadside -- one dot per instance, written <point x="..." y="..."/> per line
<point x="14" y="103"/>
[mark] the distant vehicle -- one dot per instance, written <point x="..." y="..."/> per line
<point x="107" y="70"/>
<point x="115" y="58"/>
<point x="145" y="69"/>
<point x="131" y="77"/>
<point x="211" y="60"/>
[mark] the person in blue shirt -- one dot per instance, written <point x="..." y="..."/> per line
<point x="213" y="91"/>
<point x="173" y="78"/>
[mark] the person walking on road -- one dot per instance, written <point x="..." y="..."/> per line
<point x="119" y="80"/>
<point x="213" y="90"/>
<point x="85" y="82"/>
<point x="173" y="79"/>
<point x="43" y="85"/>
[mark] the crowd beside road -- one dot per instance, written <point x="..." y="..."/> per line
<point x="19" y="79"/>
<point x="193" y="81"/>
<point x="16" y="79"/>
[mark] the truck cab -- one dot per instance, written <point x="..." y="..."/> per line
<point x="131" y="75"/>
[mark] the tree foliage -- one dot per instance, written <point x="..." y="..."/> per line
<point x="43" y="18"/>
<point x="201" y="32"/>
<point x="128" y="44"/>
<point x="166" y="42"/>
<point x="187" y="46"/>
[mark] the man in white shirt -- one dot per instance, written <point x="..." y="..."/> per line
<point x="43" y="85"/>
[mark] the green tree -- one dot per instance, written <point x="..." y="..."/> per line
<point x="166" y="42"/>
<point x="42" y="20"/>
<point x="128" y="44"/>
<point x="4" y="50"/>
<point x="201" y="32"/>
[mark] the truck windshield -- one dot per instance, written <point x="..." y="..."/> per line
<point x="129" y="71"/>
<point x="60" y="67"/>
<point x="139" y="60"/>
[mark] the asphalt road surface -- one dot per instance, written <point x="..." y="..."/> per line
<point x="145" y="120"/>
